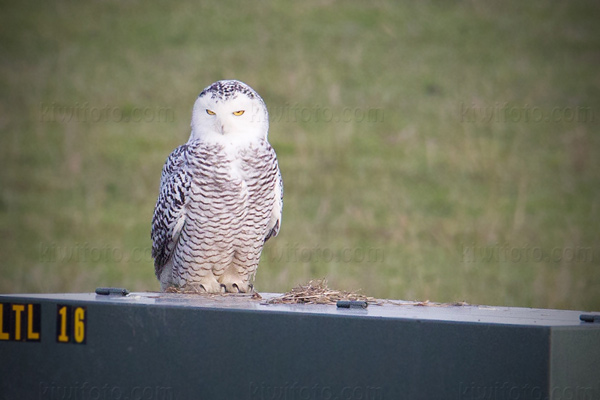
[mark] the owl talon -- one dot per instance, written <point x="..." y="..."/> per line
<point x="205" y="287"/>
<point x="198" y="288"/>
<point x="248" y="288"/>
<point x="237" y="287"/>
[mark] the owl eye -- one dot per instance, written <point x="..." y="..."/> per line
<point x="238" y="113"/>
<point x="210" y="112"/>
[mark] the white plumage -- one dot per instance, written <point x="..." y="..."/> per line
<point x="221" y="195"/>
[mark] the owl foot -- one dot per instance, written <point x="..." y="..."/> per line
<point x="237" y="286"/>
<point x="210" y="286"/>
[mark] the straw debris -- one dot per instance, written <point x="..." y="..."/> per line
<point x="316" y="291"/>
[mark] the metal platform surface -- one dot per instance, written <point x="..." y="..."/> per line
<point x="387" y="309"/>
<point x="160" y="346"/>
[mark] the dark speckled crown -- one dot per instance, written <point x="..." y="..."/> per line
<point x="228" y="89"/>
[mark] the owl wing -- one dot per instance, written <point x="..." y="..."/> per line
<point x="275" y="220"/>
<point x="169" y="212"/>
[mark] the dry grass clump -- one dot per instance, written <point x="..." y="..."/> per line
<point x="316" y="291"/>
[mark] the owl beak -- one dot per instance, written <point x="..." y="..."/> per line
<point x="220" y="126"/>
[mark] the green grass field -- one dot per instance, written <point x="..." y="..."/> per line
<point x="441" y="150"/>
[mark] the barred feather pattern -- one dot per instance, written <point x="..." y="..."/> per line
<point x="214" y="213"/>
<point x="174" y="187"/>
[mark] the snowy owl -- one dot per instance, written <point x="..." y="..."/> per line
<point x="221" y="195"/>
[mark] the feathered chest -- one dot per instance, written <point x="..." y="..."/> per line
<point x="244" y="174"/>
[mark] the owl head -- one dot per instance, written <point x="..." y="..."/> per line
<point x="229" y="111"/>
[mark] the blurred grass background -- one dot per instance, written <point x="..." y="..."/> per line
<point x="442" y="150"/>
